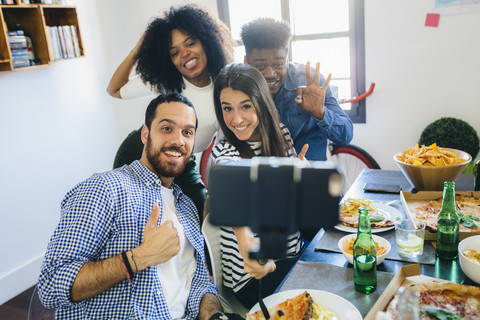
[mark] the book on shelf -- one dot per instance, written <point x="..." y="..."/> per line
<point x="68" y="39"/>
<point x="61" y="38"/>
<point x="76" y="42"/>
<point x="18" y="48"/>
<point x="55" y="42"/>
<point x="51" y="50"/>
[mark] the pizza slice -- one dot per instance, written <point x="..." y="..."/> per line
<point x="469" y="206"/>
<point x="296" y="308"/>
<point x="452" y="299"/>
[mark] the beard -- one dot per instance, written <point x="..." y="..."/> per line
<point x="165" y="169"/>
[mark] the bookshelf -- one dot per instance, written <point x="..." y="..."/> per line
<point x="37" y="20"/>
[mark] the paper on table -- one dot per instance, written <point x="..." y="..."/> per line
<point x="329" y="242"/>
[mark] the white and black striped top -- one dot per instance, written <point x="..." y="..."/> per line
<point x="232" y="262"/>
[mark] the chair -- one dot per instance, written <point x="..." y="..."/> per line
<point x="212" y="239"/>
<point x="352" y="159"/>
<point x="36" y="310"/>
<point x="204" y="166"/>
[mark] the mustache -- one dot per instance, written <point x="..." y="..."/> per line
<point x="174" y="148"/>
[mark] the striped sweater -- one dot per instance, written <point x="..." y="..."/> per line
<point x="234" y="275"/>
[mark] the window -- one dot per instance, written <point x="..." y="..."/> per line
<point x="327" y="31"/>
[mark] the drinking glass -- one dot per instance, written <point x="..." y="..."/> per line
<point x="410" y="234"/>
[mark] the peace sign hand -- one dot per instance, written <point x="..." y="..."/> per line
<point x="311" y="98"/>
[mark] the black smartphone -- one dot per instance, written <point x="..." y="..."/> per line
<point x="382" y="188"/>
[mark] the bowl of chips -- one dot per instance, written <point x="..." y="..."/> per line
<point x="428" y="167"/>
<point x="345" y="244"/>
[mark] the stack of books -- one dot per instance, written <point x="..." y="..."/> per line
<point x="64" y="42"/>
<point x="18" y="48"/>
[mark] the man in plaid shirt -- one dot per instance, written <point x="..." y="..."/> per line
<point x="128" y="244"/>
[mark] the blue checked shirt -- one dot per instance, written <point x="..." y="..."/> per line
<point x="101" y="217"/>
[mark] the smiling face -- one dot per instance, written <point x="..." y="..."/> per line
<point x="239" y="114"/>
<point x="189" y="57"/>
<point x="272" y="63"/>
<point x="169" y="142"/>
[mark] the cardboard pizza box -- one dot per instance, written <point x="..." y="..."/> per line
<point x="412" y="200"/>
<point x="406" y="275"/>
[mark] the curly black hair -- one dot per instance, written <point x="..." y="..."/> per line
<point x="265" y="33"/>
<point x="154" y="64"/>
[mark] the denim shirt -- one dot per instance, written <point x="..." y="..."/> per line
<point x="304" y="128"/>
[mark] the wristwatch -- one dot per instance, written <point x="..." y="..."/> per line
<point x="219" y="316"/>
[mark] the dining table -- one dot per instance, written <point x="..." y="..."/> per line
<point x="322" y="266"/>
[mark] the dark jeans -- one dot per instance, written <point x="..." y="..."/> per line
<point x="248" y="295"/>
<point x="190" y="180"/>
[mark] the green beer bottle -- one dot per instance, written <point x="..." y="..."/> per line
<point x="364" y="256"/>
<point x="476" y="174"/>
<point x="448" y="224"/>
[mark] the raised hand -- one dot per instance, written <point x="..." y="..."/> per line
<point x="311" y="98"/>
<point x="160" y="243"/>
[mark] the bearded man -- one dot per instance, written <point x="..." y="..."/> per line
<point x="128" y="244"/>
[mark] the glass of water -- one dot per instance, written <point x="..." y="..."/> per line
<point x="410" y="234"/>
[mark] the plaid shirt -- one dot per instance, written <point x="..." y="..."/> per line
<point x="102" y="217"/>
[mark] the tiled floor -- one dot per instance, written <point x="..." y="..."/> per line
<point x="17" y="307"/>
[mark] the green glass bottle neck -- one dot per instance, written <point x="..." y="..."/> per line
<point x="364" y="222"/>
<point x="448" y="202"/>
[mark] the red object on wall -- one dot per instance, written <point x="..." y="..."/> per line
<point x="432" y="20"/>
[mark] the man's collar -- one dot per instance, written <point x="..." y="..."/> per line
<point x="149" y="178"/>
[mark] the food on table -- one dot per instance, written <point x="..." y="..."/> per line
<point x="348" y="215"/>
<point x="444" y="301"/>
<point x="472" y="255"/>
<point x="432" y="155"/>
<point x="468" y="209"/>
<point x="349" y="244"/>
<point x="300" y="307"/>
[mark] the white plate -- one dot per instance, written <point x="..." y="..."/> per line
<point x="344" y="310"/>
<point x="390" y="212"/>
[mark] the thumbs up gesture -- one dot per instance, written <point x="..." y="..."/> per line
<point x="160" y="243"/>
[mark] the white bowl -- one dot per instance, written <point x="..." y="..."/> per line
<point x="470" y="268"/>
<point x="382" y="242"/>
<point x="425" y="178"/>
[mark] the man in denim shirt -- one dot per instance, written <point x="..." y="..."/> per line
<point x="305" y="103"/>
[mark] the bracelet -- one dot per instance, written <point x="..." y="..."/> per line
<point x="218" y="316"/>
<point x="136" y="268"/>
<point x="126" y="265"/>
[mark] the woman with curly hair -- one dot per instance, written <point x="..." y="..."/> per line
<point x="182" y="51"/>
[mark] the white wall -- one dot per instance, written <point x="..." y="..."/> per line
<point x="58" y="125"/>
<point x="421" y="74"/>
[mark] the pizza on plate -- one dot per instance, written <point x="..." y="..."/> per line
<point x="348" y="214"/>
<point x="444" y="300"/>
<point x="469" y="206"/>
<point x="296" y="308"/>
